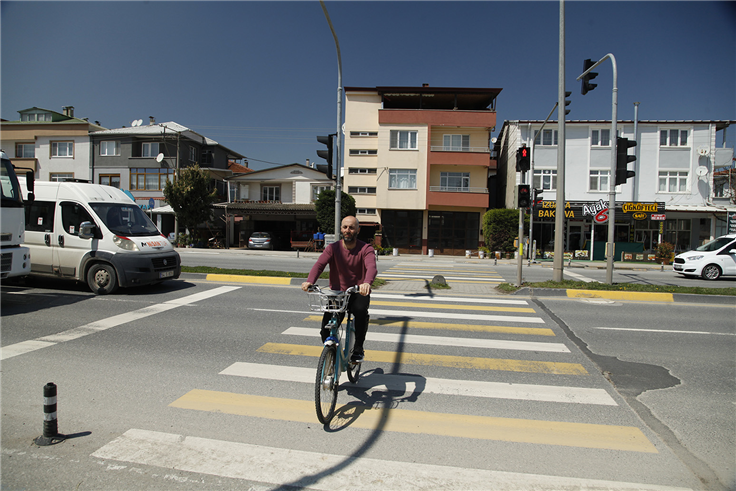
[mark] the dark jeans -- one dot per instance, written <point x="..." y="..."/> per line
<point x="358" y="305"/>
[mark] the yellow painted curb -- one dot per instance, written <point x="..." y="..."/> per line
<point x="642" y="296"/>
<point x="271" y="280"/>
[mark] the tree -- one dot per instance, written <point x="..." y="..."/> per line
<point x="189" y="196"/>
<point x="500" y="228"/>
<point x="325" y="206"/>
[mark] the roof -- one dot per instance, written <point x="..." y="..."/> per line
<point x="267" y="208"/>
<point x="237" y="168"/>
<point x="720" y="123"/>
<point x="701" y="208"/>
<point x="462" y="98"/>
<point x="256" y="173"/>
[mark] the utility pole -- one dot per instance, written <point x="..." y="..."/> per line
<point x="338" y="137"/>
<point x="560" y="207"/>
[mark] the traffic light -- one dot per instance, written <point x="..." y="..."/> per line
<point x="524" y="196"/>
<point x="523" y="160"/>
<point x="537" y="196"/>
<point x="623" y="158"/>
<point x="587" y="86"/>
<point x="567" y="103"/>
<point x="326" y="154"/>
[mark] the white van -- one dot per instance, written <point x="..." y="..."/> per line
<point x="95" y="234"/>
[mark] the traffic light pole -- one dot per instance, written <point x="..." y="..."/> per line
<point x="338" y="137"/>
<point x="612" y="178"/>
<point x="557" y="273"/>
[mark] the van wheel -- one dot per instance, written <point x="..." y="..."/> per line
<point x="711" y="272"/>
<point x="102" y="279"/>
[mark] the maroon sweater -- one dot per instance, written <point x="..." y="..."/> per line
<point x="347" y="267"/>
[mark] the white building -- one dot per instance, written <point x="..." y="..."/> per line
<point x="675" y="167"/>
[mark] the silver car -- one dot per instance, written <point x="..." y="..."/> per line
<point x="260" y="240"/>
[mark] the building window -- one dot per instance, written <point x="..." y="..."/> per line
<point x="403" y="140"/>
<point x="673" y="138"/>
<point x="363" y="134"/>
<point x="548" y="137"/>
<point x="599" y="180"/>
<point x="192" y="154"/>
<point x="110" y="180"/>
<point x="600" y="138"/>
<point x="677" y="232"/>
<point x="145" y="179"/>
<point x="110" y="148"/>
<point x="318" y="189"/>
<point x="62" y="149"/>
<point x="545" y="179"/>
<point x="456" y="143"/>
<point x="271" y="193"/>
<point x="402" y="228"/>
<point x="366" y="211"/>
<point x="35" y="117"/>
<point x="25" y="150"/>
<point x="361" y="190"/>
<point x="402" y="179"/>
<point x="454" y="181"/>
<point x="149" y="149"/>
<point x="354" y="152"/>
<point x="672" y="182"/>
<point x="61" y="176"/>
<point x="357" y="170"/>
<point x="208" y="157"/>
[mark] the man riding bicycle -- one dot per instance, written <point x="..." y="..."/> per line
<point x="352" y="262"/>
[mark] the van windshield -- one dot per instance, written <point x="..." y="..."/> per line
<point x="714" y="245"/>
<point x="127" y="220"/>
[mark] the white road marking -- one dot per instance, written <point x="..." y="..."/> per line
<point x="452" y="315"/>
<point x="328" y="472"/>
<point x="435" y="298"/>
<point x="667" y="331"/>
<point x="413" y="384"/>
<point x="103" y="324"/>
<point x="446" y="341"/>
<point x="580" y="277"/>
<point x="453" y="278"/>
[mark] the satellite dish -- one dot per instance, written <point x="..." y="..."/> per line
<point x="703" y="151"/>
<point x="159" y="157"/>
<point x="701" y="171"/>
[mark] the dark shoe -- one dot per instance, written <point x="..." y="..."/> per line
<point x="357" y="357"/>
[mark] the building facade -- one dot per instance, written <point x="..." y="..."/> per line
<point x="53" y="145"/>
<point x="674" y="187"/>
<point x="417" y="161"/>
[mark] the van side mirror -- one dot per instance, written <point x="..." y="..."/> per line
<point x="86" y="230"/>
<point x="732" y="251"/>
<point x="29" y="186"/>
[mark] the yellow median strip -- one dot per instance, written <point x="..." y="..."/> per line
<point x="548" y="367"/>
<point x="642" y="296"/>
<point x="483" y="308"/>
<point x="270" y="280"/>
<point x="585" y="435"/>
<point x="532" y="331"/>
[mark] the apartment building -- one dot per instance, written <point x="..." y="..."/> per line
<point x="674" y="196"/>
<point x="53" y="145"/>
<point x="417" y="160"/>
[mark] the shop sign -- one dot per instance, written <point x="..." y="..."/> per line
<point x="601" y="216"/>
<point x="639" y="215"/>
<point x="658" y="216"/>
<point x="592" y="209"/>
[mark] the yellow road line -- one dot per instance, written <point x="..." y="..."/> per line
<point x="643" y="296"/>
<point x="452" y="307"/>
<point x="585" y="435"/>
<point x="528" y="366"/>
<point x="532" y="331"/>
<point x="271" y="280"/>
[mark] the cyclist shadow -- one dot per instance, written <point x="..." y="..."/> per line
<point x="376" y="390"/>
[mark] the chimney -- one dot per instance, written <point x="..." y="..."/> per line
<point x="308" y="164"/>
<point x="151" y="120"/>
<point x="425" y="85"/>
<point x="68" y="111"/>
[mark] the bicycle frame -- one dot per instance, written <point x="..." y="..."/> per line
<point x="344" y="349"/>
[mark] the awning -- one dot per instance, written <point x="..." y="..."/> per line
<point x="166" y="210"/>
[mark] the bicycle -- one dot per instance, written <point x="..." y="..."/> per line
<point x="334" y="360"/>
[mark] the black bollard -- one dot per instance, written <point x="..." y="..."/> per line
<point x="50" y="424"/>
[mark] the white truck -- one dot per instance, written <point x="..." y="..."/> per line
<point x="16" y="258"/>
<point x="97" y="235"/>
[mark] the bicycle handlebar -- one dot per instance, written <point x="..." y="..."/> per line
<point x="352" y="289"/>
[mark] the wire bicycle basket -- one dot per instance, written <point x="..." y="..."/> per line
<point x="328" y="301"/>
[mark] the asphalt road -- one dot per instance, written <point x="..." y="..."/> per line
<point x="198" y="384"/>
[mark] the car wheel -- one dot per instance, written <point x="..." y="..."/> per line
<point x="101" y="279"/>
<point x="711" y="272"/>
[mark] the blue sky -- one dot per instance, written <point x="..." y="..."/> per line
<point x="261" y="77"/>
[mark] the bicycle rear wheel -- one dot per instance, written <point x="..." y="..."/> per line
<point x="353" y="372"/>
<point x="325" y="388"/>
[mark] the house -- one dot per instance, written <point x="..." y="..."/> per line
<point x="417" y="161"/>
<point x="279" y="200"/>
<point x="54" y="145"/>
<point x="141" y="159"/>
<point x="671" y="198"/>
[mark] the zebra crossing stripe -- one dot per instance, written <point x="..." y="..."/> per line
<point x="528" y="331"/>
<point x="429" y="277"/>
<point x="409" y="384"/>
<point x="528" y="366"/>
<point x="501" y="344"/>
<point x="481" y="308"/>
<point x="438" y="298"/>
<point x="585" y="435"/>
<point x="451" y="315"/>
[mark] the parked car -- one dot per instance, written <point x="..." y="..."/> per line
<point x="711" y="261"/>
<point x="260" y="240"/>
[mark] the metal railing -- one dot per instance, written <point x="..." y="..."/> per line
<point x="451" y="148"/>
<point x="447" y="189"/>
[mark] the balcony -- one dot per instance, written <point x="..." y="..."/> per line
<point x="451" y="148"/>
<point x="474" y="197"/>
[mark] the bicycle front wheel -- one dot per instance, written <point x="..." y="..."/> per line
<point x="325" y="389"/>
